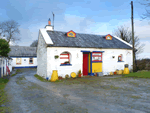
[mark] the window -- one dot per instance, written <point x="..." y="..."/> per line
<point x="30" y="60"/>
<point x="18" y="61"/>
<point x="120" y="58"/>
<point x="65" y="58"/>
<point x="96" y="57"/>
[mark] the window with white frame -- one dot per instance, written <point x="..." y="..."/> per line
<point x="18" y="61"/>
<point x="65" y="58"/>
<point x="96" y="57"/>
<point x="30" y="60"/>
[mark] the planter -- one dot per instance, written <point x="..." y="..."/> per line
<point x="59" y="78"/>
<point x="96" y="74"/>
<point x="56" y="56"/>
<point x="120" y="72"/>
<point x="79" y="75"/>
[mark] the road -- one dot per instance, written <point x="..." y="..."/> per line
<point x="27" y="94"/>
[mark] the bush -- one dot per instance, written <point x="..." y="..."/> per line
<point x="66" y="76"/>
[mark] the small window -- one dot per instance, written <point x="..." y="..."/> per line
<point x="30" y="60"/>
<point x="18" y="61"/>
<point x="120" y="58"/>
<point x="65" y="58"/>
<point x="96" y="57"/>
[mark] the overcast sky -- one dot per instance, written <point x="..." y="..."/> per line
<point x="82" y="16"/>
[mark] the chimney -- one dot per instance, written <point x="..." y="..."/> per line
<point x="49" y="27"/>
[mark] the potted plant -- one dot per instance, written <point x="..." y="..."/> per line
<point x="66" y="76"/>
<point x="56" y="56"/>
<point x="59" y="77"/>
<point x="67" y="62"/>
<point x="79" y="73"/>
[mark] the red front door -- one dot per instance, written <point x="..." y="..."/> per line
<point x="85" y="64"/>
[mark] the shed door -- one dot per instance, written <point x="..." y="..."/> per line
<point x="85" y="64"/>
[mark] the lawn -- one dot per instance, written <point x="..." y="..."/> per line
<point x="141" y="74"/>
<point x="3" y="96"/>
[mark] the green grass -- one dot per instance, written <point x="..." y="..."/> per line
<point x="40" y="78"/>
<point x="3" y="96"/>
<point x="142" y="74"/>
<point x="19" y="71"/>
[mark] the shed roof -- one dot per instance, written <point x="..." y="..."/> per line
<point x="22" y="51"/>
<point x="60" y="39"/>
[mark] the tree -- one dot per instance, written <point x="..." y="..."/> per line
<point x="4" y="48"/>
<point x="10" y="29"/>
<point x="125" y="34"/>
<point x="34" y="43"/>
<point x="146" y="3"/>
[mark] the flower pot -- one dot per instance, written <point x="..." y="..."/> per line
<point x="115" y="73"/>
<point x="96" y="74"/>
<point x="59" y="78"/>
<point x="79" y="75"/>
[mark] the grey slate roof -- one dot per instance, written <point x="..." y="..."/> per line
<point x="22" y="51"/>
<point x="85" y="41"/>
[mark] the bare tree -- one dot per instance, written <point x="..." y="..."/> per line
<point x="10" y="30"/>
<point x="146" y="3"/>
<point x="125" y="34"/>
<point x="34" y="43"/>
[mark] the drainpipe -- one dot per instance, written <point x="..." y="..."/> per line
<point x="2" y="68"/>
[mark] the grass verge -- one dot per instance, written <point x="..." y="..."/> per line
<point x="43" y="79"/>
<point x="142" y="74"/>
<point x="3" y="96"/>
<point x="40" y="78"/>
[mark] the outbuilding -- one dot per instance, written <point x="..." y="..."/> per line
<point x="5" y="66"/>
<point x="23" y="57"/>
<point x="69" y="52"/>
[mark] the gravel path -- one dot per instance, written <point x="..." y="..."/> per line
<point x="29" y="95"/>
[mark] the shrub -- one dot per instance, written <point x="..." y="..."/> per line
<point x="66" y="76"/>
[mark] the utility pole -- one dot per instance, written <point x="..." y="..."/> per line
<point x="133" y="36"/>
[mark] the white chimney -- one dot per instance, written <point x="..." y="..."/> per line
<point x="49" y="27"/>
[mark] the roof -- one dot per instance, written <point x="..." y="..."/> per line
<point x="60" y="39"/>
<point x="22" y="51"/>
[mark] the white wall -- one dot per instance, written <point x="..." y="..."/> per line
<point x="41" y="57"/>
<point x="54" y="64"/>
<point x="109" y="64"/>
<point x="24" y="63"/>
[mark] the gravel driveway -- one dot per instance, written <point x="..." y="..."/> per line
<point x="106" y="95"/>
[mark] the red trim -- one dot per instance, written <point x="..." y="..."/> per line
<point x="64" y="54"/>
<point x="96" y="55"/>
<point x="120" y="58"/>
<point x="107" y="36"/>
<point x="70" y="32"/>
<point x="69" y="57"/>
<point x="64" y="57"/>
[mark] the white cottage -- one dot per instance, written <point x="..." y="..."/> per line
<point x="23" y="57"/>
<point x="75" y="51"/>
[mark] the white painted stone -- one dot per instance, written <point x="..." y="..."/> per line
<point x="46" y="37"/>
<point x="41" y="57"/>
